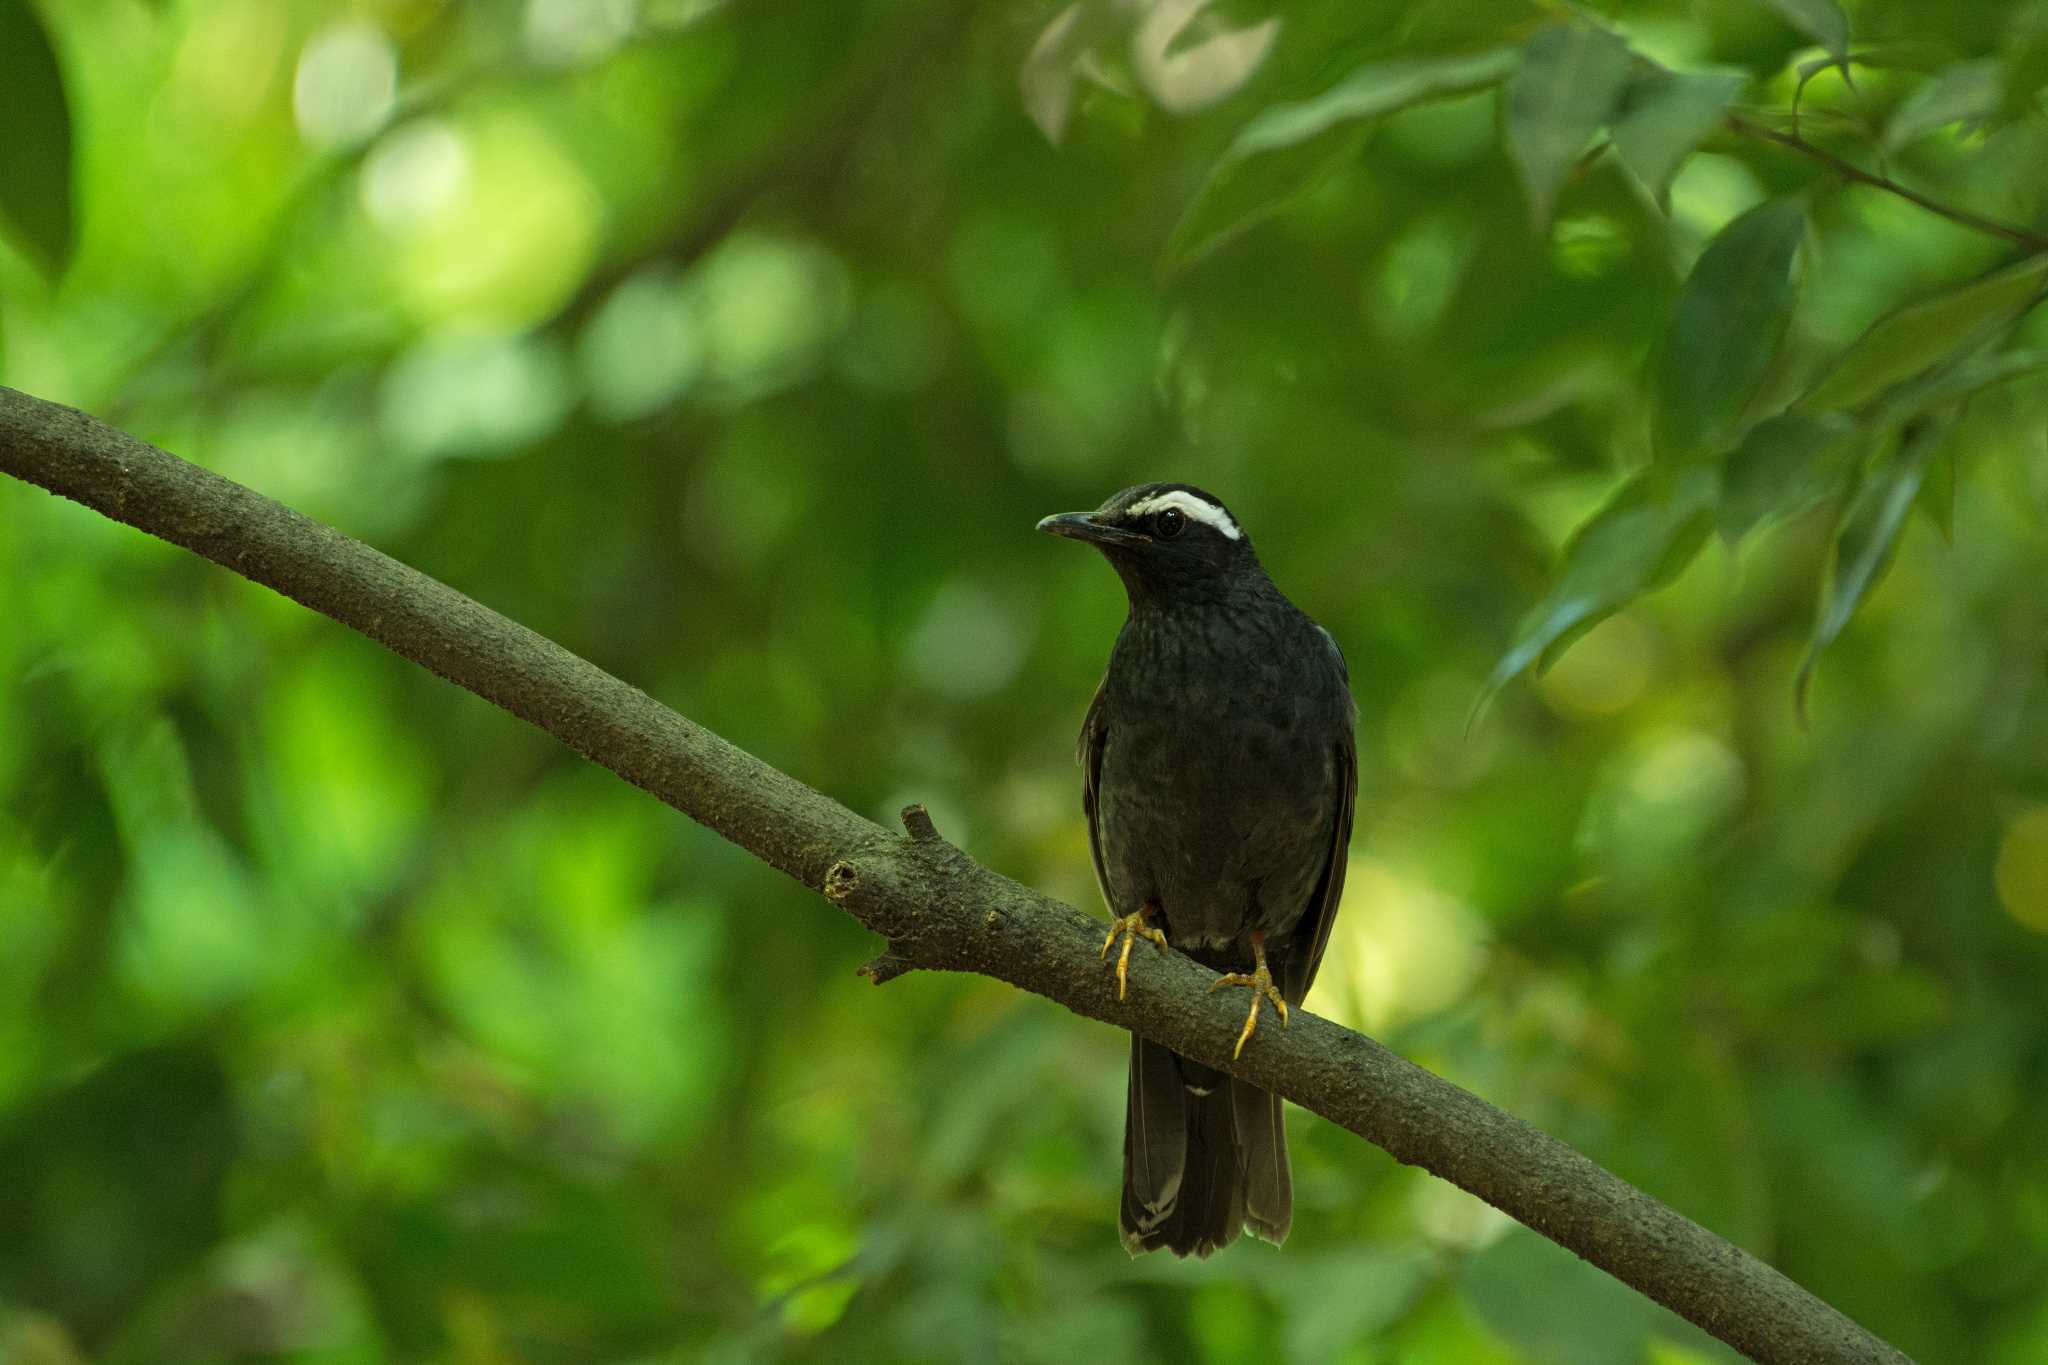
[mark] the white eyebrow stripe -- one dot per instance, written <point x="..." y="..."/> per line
<point x="1206" y="512"/>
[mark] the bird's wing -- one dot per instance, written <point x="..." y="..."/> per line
<point x="1314" y="929"/>
<point x="1094" y="735"/>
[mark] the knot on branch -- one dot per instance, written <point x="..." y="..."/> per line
<point x="842" y="879"/>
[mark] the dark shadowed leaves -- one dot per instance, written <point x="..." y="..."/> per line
<point x="1291" y="148"/>
<point x="35" y="138"/>
<point x="1645" y="534"/>
<point x="1783" y="466"/>
<point x="1569" y="82"/>
<point x="1912" y="339"/>
<point x="1724" y="328"/>
<point x="1663" y="117"/>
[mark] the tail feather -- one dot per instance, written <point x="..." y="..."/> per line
<point x="1203" y="1155"/>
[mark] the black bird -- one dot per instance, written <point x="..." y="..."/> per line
<point x="1219" y="778"/>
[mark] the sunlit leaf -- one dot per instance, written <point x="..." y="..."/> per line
<point x="1046" y="79"/>
<point x="1664" y="116"/>
<point x="1724" y="328"/>
<point x="1291" y="148"/>
<point x="1911" y="339"/>
<point x="1820" y="20"/>
<point x="35" y="138"/>
<point x="1645" y="534"/>
<point x="1868" y="531"/>
<point x="1964" y="91"/>
<point x="1783" y="466"/>
<point x="1570" y="78"/>
<point x="1188" y="75"/>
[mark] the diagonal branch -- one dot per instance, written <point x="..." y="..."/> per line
<point x="1849" y="170"/>
<point x="935" y="906"/>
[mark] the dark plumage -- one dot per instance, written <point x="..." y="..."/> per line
<point x="1219" y="777"/>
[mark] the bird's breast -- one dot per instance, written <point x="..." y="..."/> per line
<point x="1219" y="784"/>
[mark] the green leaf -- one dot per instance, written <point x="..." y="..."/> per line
<point x="1960" y="380"/>
<point x="1912" y="339"/>
<point x="1867" y="533"/>
<point x="1784" y="465"/>
<point x="1820" y="20"/>
<point x="35" y="151"/>
<point x="1664" y="116"/>
<point x="1964" y="91"/>
<point x="1724" y="328"/>
<point x="1639" y="540"/>
<point x="1569" y="82"/>
<point x="1291" y="148"/>
<point x="1938" y="494"/>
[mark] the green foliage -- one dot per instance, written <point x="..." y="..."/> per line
<point x="1291" y="148"/>
<point x="1724" y="329"/>
<point x="738" y="348"/>
<point x="1564" y="90"/>
<point x="35" y="158"/>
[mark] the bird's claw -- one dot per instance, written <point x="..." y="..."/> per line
<point x="1261" y="982"/>
<point x="1131" y="927"/>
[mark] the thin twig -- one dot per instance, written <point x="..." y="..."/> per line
<point x="1849" y="170"/>
<point x="936" y="907"/>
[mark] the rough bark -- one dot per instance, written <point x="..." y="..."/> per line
<point x="936" y="907"/>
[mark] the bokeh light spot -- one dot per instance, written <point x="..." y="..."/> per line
<point x="644" y="348"/>
<point x="2021" y="874"/>
<point x="969" y="641"/>
<point x="415" y="173"/>
<point x="1604" y="672"/>
<point x="346" y="85"/>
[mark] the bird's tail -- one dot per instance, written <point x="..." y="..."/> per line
<point x="1204" y="1156"/>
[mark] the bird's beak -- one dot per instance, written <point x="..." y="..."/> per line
<point x="1084" y="526"/>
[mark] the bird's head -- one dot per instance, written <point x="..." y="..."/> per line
<point x="1163" y="539"/>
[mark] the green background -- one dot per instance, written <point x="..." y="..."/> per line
<point x="737" y="348"/>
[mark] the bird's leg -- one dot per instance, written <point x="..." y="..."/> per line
<point x="1261" y="982"/>
<point x="1132" y="927"/>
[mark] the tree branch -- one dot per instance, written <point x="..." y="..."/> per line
<point x="936" y="907"/>
<point x="1849" y="170"/>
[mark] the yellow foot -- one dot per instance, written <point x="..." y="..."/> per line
<point x="1132" y="928"/>
<point x="1261" y="982"/>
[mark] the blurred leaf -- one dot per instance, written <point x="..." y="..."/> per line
<point x="1185" y="72"/>
<point x="1784" y="465"/>
<point x="1570" y="78"/>
<point x="1046" y="79"/>
<point x="1925" y="57"/>
<point x="1556" y="1307"/>
<point x="114" y="1183"/>
<point x="1965" y="91"/>
<point x="35" y="151"/>
<point x="1291" y="148"/>
<point x="1820" y="20"/>
<point x="1724" y="328"/>
<point x="1960" y="380"/>
<point x="1868" y="530"/>
<point x="1341" y="1297"/>
<point x="1910" y="340"/>
<point x="1645" y="534"/>
<point x="1663" y="116"/>
<point x="1938" y="494"/>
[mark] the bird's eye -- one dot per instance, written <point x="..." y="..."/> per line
<point x="1169" y="523"/>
